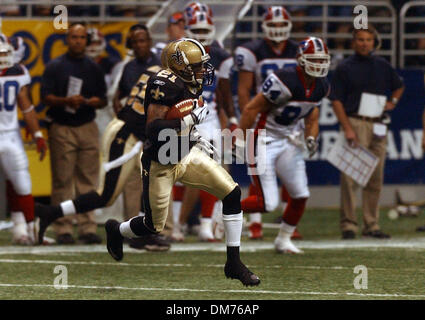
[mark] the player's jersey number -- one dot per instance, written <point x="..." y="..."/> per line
<point x="288" y="115"/>
<point x="8" y="94"/>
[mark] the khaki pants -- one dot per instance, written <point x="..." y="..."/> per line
<point x="74" y="154"/>
<point x="372" y="191"/>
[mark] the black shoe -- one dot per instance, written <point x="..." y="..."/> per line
<point x="90" y="238"/>
<point x="45" y="215"/>
<point x="156" y="242"/>
<point x="65" y="238"/>
<point x="114" y="239"/>
<point x="348" y="235"/>
<point x="237" y="270"/>
<point x="420" y="229"/>
<point x="378" y="234"/>
<point x="136" y="243"/>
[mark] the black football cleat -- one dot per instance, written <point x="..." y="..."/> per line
<point x="114" y="239"/>
<point x="44" y="216"/>
<point x="237" y="270"/>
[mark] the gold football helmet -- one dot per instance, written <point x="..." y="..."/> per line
<point x="188" y="59"/>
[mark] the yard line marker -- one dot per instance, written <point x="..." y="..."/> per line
<point x="364" y="244"/>
<point x="188" y="265"/>
<point x="394" y="295"/>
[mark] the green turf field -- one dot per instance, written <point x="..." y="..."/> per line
<point x="395" y="268"/>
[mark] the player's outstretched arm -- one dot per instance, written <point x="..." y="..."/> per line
<point x="30" y="118"/>
<point x="312" y="124"/>
<point x="255" y="106"/>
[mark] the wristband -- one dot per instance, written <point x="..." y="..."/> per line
<point x="31" y="108"/>
<point x="38" y="134"/>
<point x="233" y="120"/>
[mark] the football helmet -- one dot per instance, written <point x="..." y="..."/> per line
<point x="6" y="54"/>
<point x="313" y="56"/>
<point x="193" y="7"/>
<point x="201" y="28"/>
<point x="97" y="43"/>
<point x="188" y="59"/>
<point x="277" y="15"/>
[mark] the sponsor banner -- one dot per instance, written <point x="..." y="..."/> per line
<point x="42" y="44"/>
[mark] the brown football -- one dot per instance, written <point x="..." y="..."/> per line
<point x="180" y="110"/>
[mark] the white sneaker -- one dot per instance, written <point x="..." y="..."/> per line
<point x="177" y="235"/>
<point x="284" y="245"/>
<point x="20" y="234"/>
<point x="205" y="230"/>
<point x="218" y="226"/>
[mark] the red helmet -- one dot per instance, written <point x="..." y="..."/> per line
<point x="313" y="56"/>
<point x="96" y="44"/>
<point x="201" y="28"/>
<point x="6" y="53"/>
<point x="191" y="8"/>
<point x="277" y="14"/>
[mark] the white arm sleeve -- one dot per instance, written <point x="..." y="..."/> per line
<point x="224" y="70"/>
<point x="275" y="90"/>
<point x="245" y="59"/>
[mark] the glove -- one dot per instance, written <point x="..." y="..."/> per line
<point x="233" y="124"/>
<point x="41" y="144"/>
<point x="204" y="144"/>
<point x="312" y="145"/>
<point x="197" y="115"/>
<point x="238" y="151"/>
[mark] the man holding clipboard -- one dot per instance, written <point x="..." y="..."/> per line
<point x="364" y="87"/>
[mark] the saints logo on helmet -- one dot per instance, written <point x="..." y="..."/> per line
<point x="188" y="59"/>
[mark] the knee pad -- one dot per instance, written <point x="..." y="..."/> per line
<point x="232" y="202"/>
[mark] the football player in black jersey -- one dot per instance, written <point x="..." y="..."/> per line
<point x="122" y="143"/>
<point x="186" y="69"/>
<point x="200" y="26"/>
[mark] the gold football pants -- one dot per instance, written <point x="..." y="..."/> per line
<point x="196" y="170"/>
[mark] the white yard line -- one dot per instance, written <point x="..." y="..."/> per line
<point x="414" y="244"/>
<point x="254" y="291"/>
<point x="188" y="265"/>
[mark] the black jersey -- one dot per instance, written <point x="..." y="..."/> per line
<point x="133" y="113"/>
<point x="166" y="89"/>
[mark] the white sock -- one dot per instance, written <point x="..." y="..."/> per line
<point x="255" y="217"/>
<point x="176" y="210"/>
<point x="126" y="231"/>
<point x="233" y="229"/>
<point x="68" y="208"/>
<point x="286" y="230"/>
<point x="18" y="217"/>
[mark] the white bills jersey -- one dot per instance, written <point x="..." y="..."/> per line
<point x="11" y="82"/>
<point x="291" y="101"/>
<point x="259" y="57"/>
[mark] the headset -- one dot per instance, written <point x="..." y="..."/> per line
<point x="377" y="42"/>
<point x="137" y="26"/>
